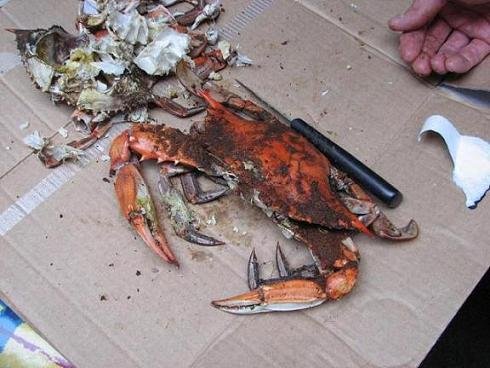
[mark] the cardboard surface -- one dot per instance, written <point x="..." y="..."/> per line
<point x="66" y="244"/>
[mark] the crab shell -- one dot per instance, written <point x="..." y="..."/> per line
<point x="276" y="167"/>
<point x="271" y="166"/>
<point x="266" y="163"/>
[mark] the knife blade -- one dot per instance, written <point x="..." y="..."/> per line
<point x="339" y="157"/>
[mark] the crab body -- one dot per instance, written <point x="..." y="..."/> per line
<point x="271" y="166"/>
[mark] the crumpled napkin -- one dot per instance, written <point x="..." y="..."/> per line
<point x="470" y="155"/>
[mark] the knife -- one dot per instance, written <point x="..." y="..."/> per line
<point x="340" y="158"/>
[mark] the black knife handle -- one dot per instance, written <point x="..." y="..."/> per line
<point x="343" y="160"/>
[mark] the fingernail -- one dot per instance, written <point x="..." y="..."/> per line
<point x="421" y="65"/>
<point x="408" y="55"/>
<point x="453" y="65"/>
<point x="438" y="65"/>
<point x="395" y="21"/>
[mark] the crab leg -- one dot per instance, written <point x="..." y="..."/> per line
<point x="359" y="203"/>
<point x="283" y="294"/>
<point x="247" y="107"/>
<point x="333" y="275"/>
<point x="99" y="131"/>
<point x="183" y="220"/>
<point x="282" y="263"/>
<point x="176" y="109"/>
<point x="253" y="277"/>
<point x="193" y="192"/>
<point x="137" y="207"/>
<point x="173" y="2"/>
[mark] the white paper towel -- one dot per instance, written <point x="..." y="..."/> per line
<point x="470" y="155"/>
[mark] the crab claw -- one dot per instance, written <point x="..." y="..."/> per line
<point x="137" y="207"/>
<point x="384" y="228"/>
<point x="283" y="294"/>
<point x="279" y="296"/>
<point x="295" y="289"/>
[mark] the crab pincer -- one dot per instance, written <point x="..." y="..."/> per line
<point x="153" y="142"/>
<point x="286" y="293"/>
<point x="138" y="208"/>
<point x="295" y="289"/>
<point x="135" y="201"/>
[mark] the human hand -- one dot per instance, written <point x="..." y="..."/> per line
<point x="444" y="36"/>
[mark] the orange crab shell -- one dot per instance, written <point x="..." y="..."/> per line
<point x="269" y="158"/>
<point x="273" y="164"/>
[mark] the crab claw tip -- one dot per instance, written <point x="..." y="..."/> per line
<point x="247" y="303"/>
<point x="280" y="296"/>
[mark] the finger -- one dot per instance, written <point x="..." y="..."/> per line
<point x="472" y="23"/>
<point x="469" y="56"/>
<point x="421" y="65"/>
<point x="419" y="14"/>
<point x="411" y="44"/>
<point x="435" y="36"/>
<point x="456" y="41"/>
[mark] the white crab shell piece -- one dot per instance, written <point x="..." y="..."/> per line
<point x="89" y="7"/>
<point x="163" y="53"/>
<point x="238" y="59"/>
<point x="64" y="152"/>
<point x="225" y="48"/>
<point x="35" y="141"/>
<point x="91" y="99"/>
<point x="109" y="47"/>
<point x="129" y="26"/>
<point x="212" y="35"/>
<point x="60" y="152"/>
<point x="110" y="67"/>
<point x="42" y="73"/>
<point x="210" y="11"/>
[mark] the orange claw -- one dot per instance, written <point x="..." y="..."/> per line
<point x="279" y="296"/>
<point x="137" y="207"/>
<point x="290" y="295"/>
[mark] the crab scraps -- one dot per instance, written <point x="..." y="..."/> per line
<point x="123" y="48"/>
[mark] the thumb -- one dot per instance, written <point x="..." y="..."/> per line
<point x="419" y="14"/>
